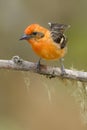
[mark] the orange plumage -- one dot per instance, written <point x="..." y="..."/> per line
<point x="44" y="42"/>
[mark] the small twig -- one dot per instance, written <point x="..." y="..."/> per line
<point x="16" y="63"/>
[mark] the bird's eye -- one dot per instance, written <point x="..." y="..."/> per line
<point x="34" y="33"/>
<point x="37" y="35"/>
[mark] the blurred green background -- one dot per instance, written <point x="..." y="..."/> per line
<point x="29" y="101"/>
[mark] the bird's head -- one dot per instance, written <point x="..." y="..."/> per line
<point x="34" y="31"/>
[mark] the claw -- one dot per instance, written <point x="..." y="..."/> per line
<point x="38" y="65"/>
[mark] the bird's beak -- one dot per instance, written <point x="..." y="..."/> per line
<point x="25" y="37"/>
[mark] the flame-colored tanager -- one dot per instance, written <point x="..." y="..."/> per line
<point x="47" y="44"/>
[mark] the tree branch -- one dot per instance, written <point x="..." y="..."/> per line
<point x="16" y="63"/>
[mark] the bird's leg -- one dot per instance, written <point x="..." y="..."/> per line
<point x="38" y="64"/>
<point x="63" y="72"/>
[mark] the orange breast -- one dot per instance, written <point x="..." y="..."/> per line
<point x="47" y="49"/>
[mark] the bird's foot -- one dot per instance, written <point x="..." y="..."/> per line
<point x="63" y="72"/>
<point x="38" y="65"/>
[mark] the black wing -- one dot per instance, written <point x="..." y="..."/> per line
<point x="57" y="33"/>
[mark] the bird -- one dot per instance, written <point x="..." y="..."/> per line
<point x="48" y="44"/>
